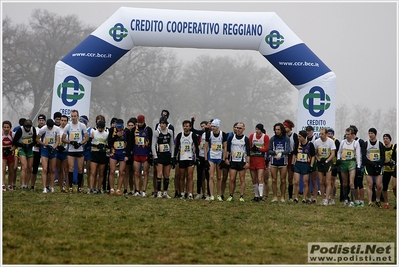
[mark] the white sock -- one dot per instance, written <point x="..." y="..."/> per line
<point x="256" y="190"/>
<point x="260" y="189"/>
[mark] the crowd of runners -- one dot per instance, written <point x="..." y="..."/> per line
<point x="117" y="160"/>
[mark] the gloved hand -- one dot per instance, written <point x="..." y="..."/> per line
<point x="255" y="148"/>
<point x="222" y="165"/>
<point x="60" y="148"/>
<point x="322" y="162"/>
<point x="77" y="145"/>
<point x="338" y="162"/>
<point x="391" y="163"/>
<point x="25" y="148"/>
<point x="6" y="151"/>
<point x="377" y="165"/>
<point x="101" y="146"/>
<point x="50" y="149"/>
<point x="173" y="162"/>
<point x="207" y="165"/>
<point x="359" y="172"/>
<point x="73" y="143"/>
<point x="156" y="162"/>
<point x="292" y="167"/>
<point x="150" y="160"/>
<point x="279" y="154"/>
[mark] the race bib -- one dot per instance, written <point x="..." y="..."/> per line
<point x="119" y="145"/>
<point x="140" y="140"/>
<point x="185" y="148"/>
<point x="301" y="157"/>
<point x="27" y="141"/>
<point x="323" y="152"/>
<point x="164" y="148"/>
<point x="348" y="154"/>
<point x="216" y="147"/>
<point x="75" y="137"/>
<point x="374" y="155"/>
<point x="237" y="156"/>
<point x="49" y="141"/>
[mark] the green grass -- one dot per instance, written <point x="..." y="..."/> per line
<point x="101" y="229"/>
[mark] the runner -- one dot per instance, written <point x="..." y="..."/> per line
<point x="302" y="164"/>
<point x="373" y="157"/>
<point x="49" y="138"/>
<point x="215" y="146"/>
<point x="8" y="156"/>
<point x="259" y="142"/>
<point x="279" y="148"/>
<point x="75" y="135"/>
<point x="389" y="167"/>
<point x="349" y="160"/>
<point x="162" y="147"/>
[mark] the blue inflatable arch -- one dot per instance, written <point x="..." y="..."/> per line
<point x="261" y="31"/>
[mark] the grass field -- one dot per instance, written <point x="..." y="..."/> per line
<point x="60" y="228"/>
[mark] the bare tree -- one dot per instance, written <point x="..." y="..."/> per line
<point x="30" y="54"/>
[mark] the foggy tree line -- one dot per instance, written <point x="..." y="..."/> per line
<point x="147" y="80"/>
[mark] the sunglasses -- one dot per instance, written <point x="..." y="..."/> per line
<point x="239" y="128"/>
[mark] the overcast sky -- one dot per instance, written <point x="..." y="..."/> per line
<point x="357" y="41"/>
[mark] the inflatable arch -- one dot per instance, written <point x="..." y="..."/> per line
<point x="261" y="31"/>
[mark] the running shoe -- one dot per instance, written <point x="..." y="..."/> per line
<point x="386" y="206"/>
<point x="198" y="196"/>
<point x="351" y="204"/>
<point x="207" y="198"/>
<point x="314" y="201"/>
<point x="303" y="201"/>
<point x="137" y="194"/>
<point x="190" y="197"/>
<point x="112" y="191"/>
<point x="332" y="202"/>
<point x="283" y="201"/>
<point x="356" y="204"/>
<point x="361" y="205"/>
<point x="219" y="198"/>
<point x="212" y="198"/>
<point x="291" y="200"/>
<point x="255" y="199"/>
<point x="32" y="189"/>
<point x="230" y="198"/>
<point x="44" y="191"/>
<point x="70" y="190"/>
<point x="296" y="201"/>
<point x="165" y="195"/>
<point x="143" y="194"/>
<point x="370" y="204"/>
<point x="204" y="197"/>
<point x="119" y="192"/>
<point x="242" y="199"/>
<point x="159" y="194"/>
<point x="345" y="203"/>
<point x="274" y="200"/>
<point x="262" y="199"/>
<point x="378" y="204"/>
<point x="10" y="188"/>
<point x="52" y="190"/>
<point x="324" y="202"/>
